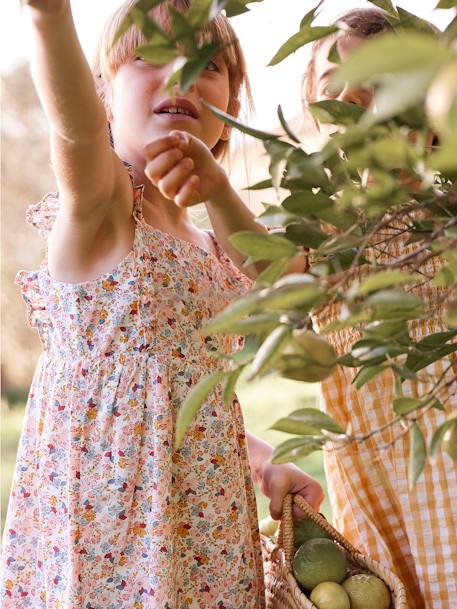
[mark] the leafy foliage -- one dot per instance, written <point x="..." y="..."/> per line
<point x="376" y="187"/>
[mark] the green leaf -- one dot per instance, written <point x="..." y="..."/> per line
<point x="303" y="36"/>
<point x="339" y="243"/>
<point x="387" y="6"/>
<point x="296" y="448"/>
<point x="390" y="54"/>
<point x="305" y="203"/>
<point x="152" y="31"/>
<point x="229" y="120"/>
<point x="394" y="304"/>
<point x="139" y="14"/>
<point x="418" y="361"/>
<point x="385" y="279"/>
<point x="279" y="153"/>
<point x="290" y="291"/>
<point x="182" y="29"/>
<point x="257" y="324"/>
<point x="261" y="246"/>
<point x="312" y="418"/>
<point x="446" y="4"/>
<point x="237" y="7"/>
<point x="199" y="12"/>
<point x="193" y="402"/>
<point x="290" y="425"/>
<point x="309" y="17"/>
<point x="307" y="234"/>
<point x="229" y="389"/>
<point x="417" y="455"/>
<point x="404" y="405"/>
<point x="268" y="350"/>
<point x="438" y="339"/>
<point x="336" y="112"/>
<point x="413" y="23"/>
<point x="286" y="127"/>
<point x="234" y="312"/>
<point x="438" y="435"/>
<point x="366" y="374"/>
<point x="274" y="216"/>
<point x="263" y="184"/>
<point x="399" y="92"/>
<point x="194" y="66"/>
<point x="306" y="171"/>
<point x="157" y="54"/>
<point x="273" y="272"/>
<point x="333" y="55"/>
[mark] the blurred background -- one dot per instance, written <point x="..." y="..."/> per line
<point x="26" y="175"/>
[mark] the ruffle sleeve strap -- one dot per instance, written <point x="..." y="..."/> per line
<point x="41" y="215"/>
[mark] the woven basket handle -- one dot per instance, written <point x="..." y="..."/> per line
<point x="285" y="537"/>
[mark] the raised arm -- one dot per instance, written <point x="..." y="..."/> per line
<point x="85" y="166"/>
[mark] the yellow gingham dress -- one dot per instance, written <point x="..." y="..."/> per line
<point x="412" y="533"/>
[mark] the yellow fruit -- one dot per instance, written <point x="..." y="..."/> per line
<point x="441" y="99"/>
<point x="449" y="442"/>
<point x="367" y="591"/>
<point x="315" y="348"/>
<point x="329" y="595"/>
<point x="268" y="526"/>
<point x="319" y="560"/>
<point x="305" y="529"/>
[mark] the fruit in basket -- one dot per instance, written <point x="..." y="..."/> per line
<point x="329" y="595"/>
<point x="367" y="591"/>
<point x="319" y="560"/>
<point x="305" y="529"/>
<point x="268" y="526"/>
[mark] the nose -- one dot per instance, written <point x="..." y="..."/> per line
<point x="172" y="67"/>
<point x="361" y="96"/>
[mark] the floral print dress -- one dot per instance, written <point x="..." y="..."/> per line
<point x="103" y="512"/>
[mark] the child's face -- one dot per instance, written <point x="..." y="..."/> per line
<point x="324" y="68"/>
<point x="139" y="106"/>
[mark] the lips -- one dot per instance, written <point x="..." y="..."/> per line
<point x="176" y="107"/>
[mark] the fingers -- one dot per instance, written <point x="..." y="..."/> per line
<point x="172" y="182"/>
<point x="189" y="195"/>
<point x="172" y="140"/>
<point x="276" y="502"/>
<point x="162" y="164"/>
<point x="312" y="494"/>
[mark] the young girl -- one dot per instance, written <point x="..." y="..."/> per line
<point x="412" y="532"/>
<point x="104" y="514"/>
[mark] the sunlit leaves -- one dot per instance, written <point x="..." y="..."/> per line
<point x="390" y="54"/>
<point x="259" y="246"/>
<point x="305" y="35"/>
<point x="297" y="448"/>
<point x="307" y="421"/>
<point x="336" y="112"/>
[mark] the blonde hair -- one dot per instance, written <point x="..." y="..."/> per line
<point x="108" y="57"/>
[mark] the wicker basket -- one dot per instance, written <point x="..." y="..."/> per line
<point x="282" y="590"/>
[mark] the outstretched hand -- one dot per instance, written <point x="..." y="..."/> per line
<point x="184" y="170"/>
